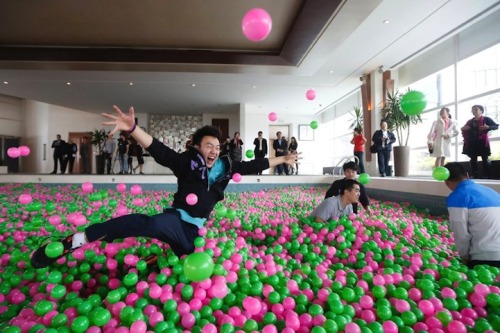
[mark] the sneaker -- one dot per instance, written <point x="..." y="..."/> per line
<point x="40" y="260"/>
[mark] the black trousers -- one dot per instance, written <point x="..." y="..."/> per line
<point x="166" y="226"/>
<point x="474" y="166"/>
<point x="383" y="157"/>
<point x="61" y="162"/>
<point x="259" y="154"/>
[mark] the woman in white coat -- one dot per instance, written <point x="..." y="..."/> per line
<point x="439" y="138"/>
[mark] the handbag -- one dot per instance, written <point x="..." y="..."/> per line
<point x="373" y="149"/>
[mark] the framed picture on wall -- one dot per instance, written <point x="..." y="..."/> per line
<point x="306" y="133"/>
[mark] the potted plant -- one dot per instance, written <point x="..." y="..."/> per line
<point x="357" y="118"/>
<point x="98" y="138"/>
<point x="399" y="123"/>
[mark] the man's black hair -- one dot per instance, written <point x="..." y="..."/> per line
<point x="347" y="185"/>
<point x="457" y="171"/>
<point x="351" y="165"/>
<point x="205" y="131"/>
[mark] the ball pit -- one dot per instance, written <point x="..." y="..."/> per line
<point x="274" y="270"/>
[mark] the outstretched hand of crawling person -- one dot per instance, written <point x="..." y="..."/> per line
<point x="122" y="121"/>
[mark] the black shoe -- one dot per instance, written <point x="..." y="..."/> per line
<point x="53" y="173"/>
<point x="40" y="260"/>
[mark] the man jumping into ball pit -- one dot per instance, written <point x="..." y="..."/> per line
<point x="474" y="215"/>
<point x="199" y="170"/>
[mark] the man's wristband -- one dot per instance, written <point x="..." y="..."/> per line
<point x="132" y="129"/>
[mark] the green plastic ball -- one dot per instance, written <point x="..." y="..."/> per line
<point x="249" y="153"/>
<point x="364" y="178"/>
<point x="314" y="124"/>
<point x="198" y="266"/>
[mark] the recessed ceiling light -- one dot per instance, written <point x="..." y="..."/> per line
<point x="331" y="72"/>
<point x="193" y="85"/>
<point x="5" y="82"/>
<point x="131" y="83"/>
<point x="68" y="83"/>
<point x="254" y="86"/>
<point x="386" y="21"/>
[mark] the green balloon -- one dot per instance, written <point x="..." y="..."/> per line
<point x="54" y="250"/>
<point x="249" y="153"/>
<point x="440" y="174"/>
<point x="364" y="178"/>
<point x="314" y="124"/>
<point x="413" y="103"/>
<point x="198" y="266"/>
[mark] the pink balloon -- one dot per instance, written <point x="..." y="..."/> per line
<point x="13" y="152"/>
<point x="272" y="116"/>
<point x="121" y="187"/>
<point x="191" y="199"/>
<point x="311" y="94"/>
<point x="256" y="24"/>
<point x="237" y="178"/>
<point x="87" y="187"/>
<point x="136" y="189"/>
<point x="24" y="150"/>
<point x="25" y="199"/>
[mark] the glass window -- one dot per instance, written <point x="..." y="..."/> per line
<point x="479" y="73"/>
<point x="439" y="88"/>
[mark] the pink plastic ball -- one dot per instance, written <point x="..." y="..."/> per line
<point x="24" y="150"/>
<point x="311" y="94"/>
<point x="136" y="190"/>
<point x="191" y="199"/>
<point x="25" y="199"/>
<point x="13" y="152"/>
<point x="87" y="187"/>
<point x="456" y="326"/>
<point x="237" y="178"/>
<point x="121" y="187"/>
<point x="252" y="305"/>
<point x="272" y="116"/>
<point x="256" y="24"/>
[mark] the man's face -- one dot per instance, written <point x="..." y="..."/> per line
<point x="350" y="174"/>
<point x="210" y="149"/>
<point x="279" y="135"/>
<point x="58" y="137"/>
<point x="353" y="194"/>
<point x="260" y="135"/>
<point x="383" y="126"/>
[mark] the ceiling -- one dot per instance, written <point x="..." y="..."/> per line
<point x="191" y="57"/>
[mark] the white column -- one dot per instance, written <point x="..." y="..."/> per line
<point x="36" y="137"/>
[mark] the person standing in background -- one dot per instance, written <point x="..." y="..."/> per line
<point x="280" y="148"/>
<point x="84" y="155"/>
<point x="476" y="140"/>
<point x="236" y="148"/>
<point x="359" y="140"/>
<point x="109" y="150"/>
<point x="383" y="140"/>
<point x="58" y="146"/>
<point x="123" y="154"/>
<point x="439" y="138"/>
<point x="292" y="148"/>
<point x="71" y="151"/>
<point x="260" y="150"/>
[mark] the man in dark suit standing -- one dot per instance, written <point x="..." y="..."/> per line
<point x="280" y="145"/>
<point x="260" y="150"/>
<point x="59" y="151"/>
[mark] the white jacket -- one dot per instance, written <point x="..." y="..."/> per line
<point x="440" y="144"/>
